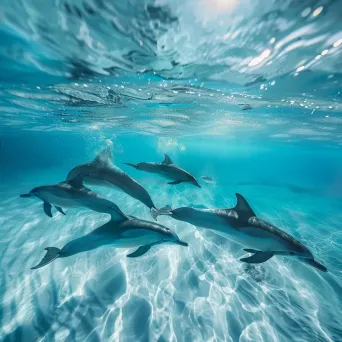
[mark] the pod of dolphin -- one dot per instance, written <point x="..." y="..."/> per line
<point x="240" y="224"/>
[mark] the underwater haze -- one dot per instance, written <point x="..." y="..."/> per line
<point x="245" y="95"/>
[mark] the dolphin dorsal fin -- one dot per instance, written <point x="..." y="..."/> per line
<point x="76" y="182"/>
<point x="104" y="157"/>
<point x="117" y="214"/>
<point x="242" y="208"/>
<point x="167" y="160"/>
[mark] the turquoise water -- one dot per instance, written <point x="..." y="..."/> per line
<point x="244" y="95"/>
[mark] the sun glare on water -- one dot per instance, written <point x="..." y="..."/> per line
<point x="222" y="5"/>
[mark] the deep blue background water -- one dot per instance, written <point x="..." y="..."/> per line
<point x="245" y="92"/>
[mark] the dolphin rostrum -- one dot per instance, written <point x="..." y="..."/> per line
<point x="241" y="225"/>
<point x="71" y="194"/>
<point x="102" y="172"/>
<point x="167" y="169"/>
<point x="120" y="232"/>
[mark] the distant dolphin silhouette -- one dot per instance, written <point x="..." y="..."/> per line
<point x="101" y="171"/>
<point x="167" y="169"/>
<point x="208" y="179"/>
<point x="241" y="225"/>
<point x="120" y="232"/>
<point x="71" y="194"/>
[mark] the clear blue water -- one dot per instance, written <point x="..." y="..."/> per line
<point x="245" y="92"/>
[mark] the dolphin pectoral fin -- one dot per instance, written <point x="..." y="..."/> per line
<point x="167" y="160"/>
<point x="248" y="250"/>
<point x="139" y="252"/>
<point x="60" y="210"/>
<point x="258" y="257"/>
<point x="175" y="182"/>
<point x="47" y="209"/>
<point x="51" y="254"/>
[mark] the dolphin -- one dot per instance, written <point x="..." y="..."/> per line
<point x="167" y="169"/>
<point x="121" y="232"/>
<point x="241" y="225"/>
<point x="208" y="179"/>
<point x="102" y="172"/>
<point x="71" y="194"/>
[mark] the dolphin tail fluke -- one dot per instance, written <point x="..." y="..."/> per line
<point x="154" y="213"/>
<point x="51" y="254"/>
<point x="316" y="264"/>
<point x="162" y="211"/>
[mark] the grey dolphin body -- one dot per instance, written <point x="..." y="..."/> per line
<point x="241" y="225"/>
<point x="167" y="169"/>
<point x="120" y="232"/>
<point x="102" y="172"/>
<point x="71" y="194"/>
